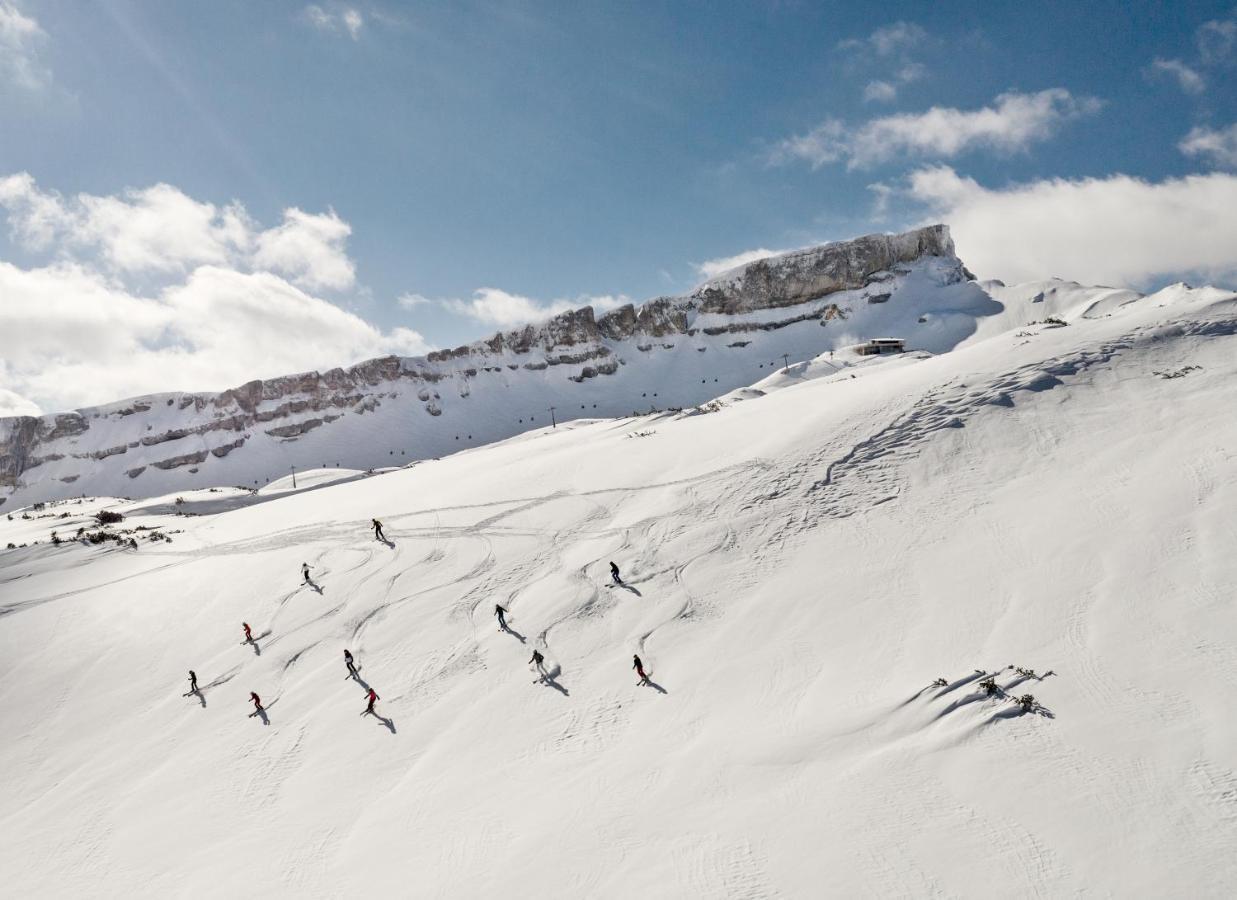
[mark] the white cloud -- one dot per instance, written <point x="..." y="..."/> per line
<point x="1217" y="40"/>
<point x="884" y="91"/>
<point x="1218" y="147"/>
<point x="711" y="268"/>
<point x="1115" y="230"/>
<point x="160" y="230"/>
<point x="412" y="301"/>
<point x="12" y="404"/>
<point x="912" y="71"/>
<point x="883" y="194"/>
<point x="889" y="50"/>
<point x="336" y="20"/>
<point x="880" y="92"/>
<point x="492" y="306"/>
<point x="20" y="36"/>
<point x="1012" y="124"/>
<point x="224" y="301"/>
<point x="887" y="40"/>
<point x="71" y="337"/>
<point x="1187" y="79"/>
<point x="309" y="249"/>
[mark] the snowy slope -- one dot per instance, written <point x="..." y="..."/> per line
<point x="802" y="565"/>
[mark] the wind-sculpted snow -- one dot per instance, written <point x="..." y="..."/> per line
<point x="954" y="625"/>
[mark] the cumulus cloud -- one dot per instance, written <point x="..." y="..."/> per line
<point x="338" y="19"/>
<point x="309" y="249"/>
<point x="1013" y="123"/>
<point x="1219" y="147"/>
<point x="1116" y="230"/>
<point x="221" y="300"/>
<point x="492" y="306"/>
<point x="711" y="268"/>
<point x="1187" y="79"/>
<point x="71" y="337"/>
<point x="20" y="37"/>
<point x="161" y="230"/>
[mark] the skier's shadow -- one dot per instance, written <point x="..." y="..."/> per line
<point x="257" y="651"/>
<point x="390" y="543"/>
<point x="515" y="634"/>
<point x="315" y="586"/>
<point x="362" y="682"/>
<point x="389" y="723"/>
<point x="261" y="714"/>
<point x="655" y="686"/>
<point x="627" y="587"/>
<point x="197" y="692"/>
<point x="550" y="679"/>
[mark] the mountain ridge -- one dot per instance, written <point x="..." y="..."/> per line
<point x="666" y="352"/>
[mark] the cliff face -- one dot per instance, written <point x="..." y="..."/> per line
<point x="818" y="271"/>
<point x="180" y="433"/>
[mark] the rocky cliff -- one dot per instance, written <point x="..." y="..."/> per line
<point x="582" y="364"/>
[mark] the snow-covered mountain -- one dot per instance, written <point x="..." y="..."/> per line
<point x="844" y="583"/>
<point x="671" y="352"/>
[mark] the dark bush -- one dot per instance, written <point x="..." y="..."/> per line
<point x="108" y="517"/>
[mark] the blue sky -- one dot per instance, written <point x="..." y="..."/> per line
<point x="488" y="162"/>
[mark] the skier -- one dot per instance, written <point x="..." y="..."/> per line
<point x="248" y="633"/>
<point x="348" y="663"/>
<point x="371" y="697"/>
<point x="539" y="661"/>
<point x="257" y="703"/>
<point x="501" y="613"/>
<point x="614" y="574"/>
<point x="378" y="535"/>
<point x="305" y="572"/>
<point x="639" y="667"/>
<point x="193" y="682"/>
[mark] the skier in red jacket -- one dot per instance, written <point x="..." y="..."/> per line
<point x="371" y="697"/>
<point x="248" y="633"/>
<point x="257" y="703"/>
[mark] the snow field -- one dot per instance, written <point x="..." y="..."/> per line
<point x="800" y="566"/>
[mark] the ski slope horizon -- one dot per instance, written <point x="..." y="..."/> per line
<point x="803" y="557"/>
